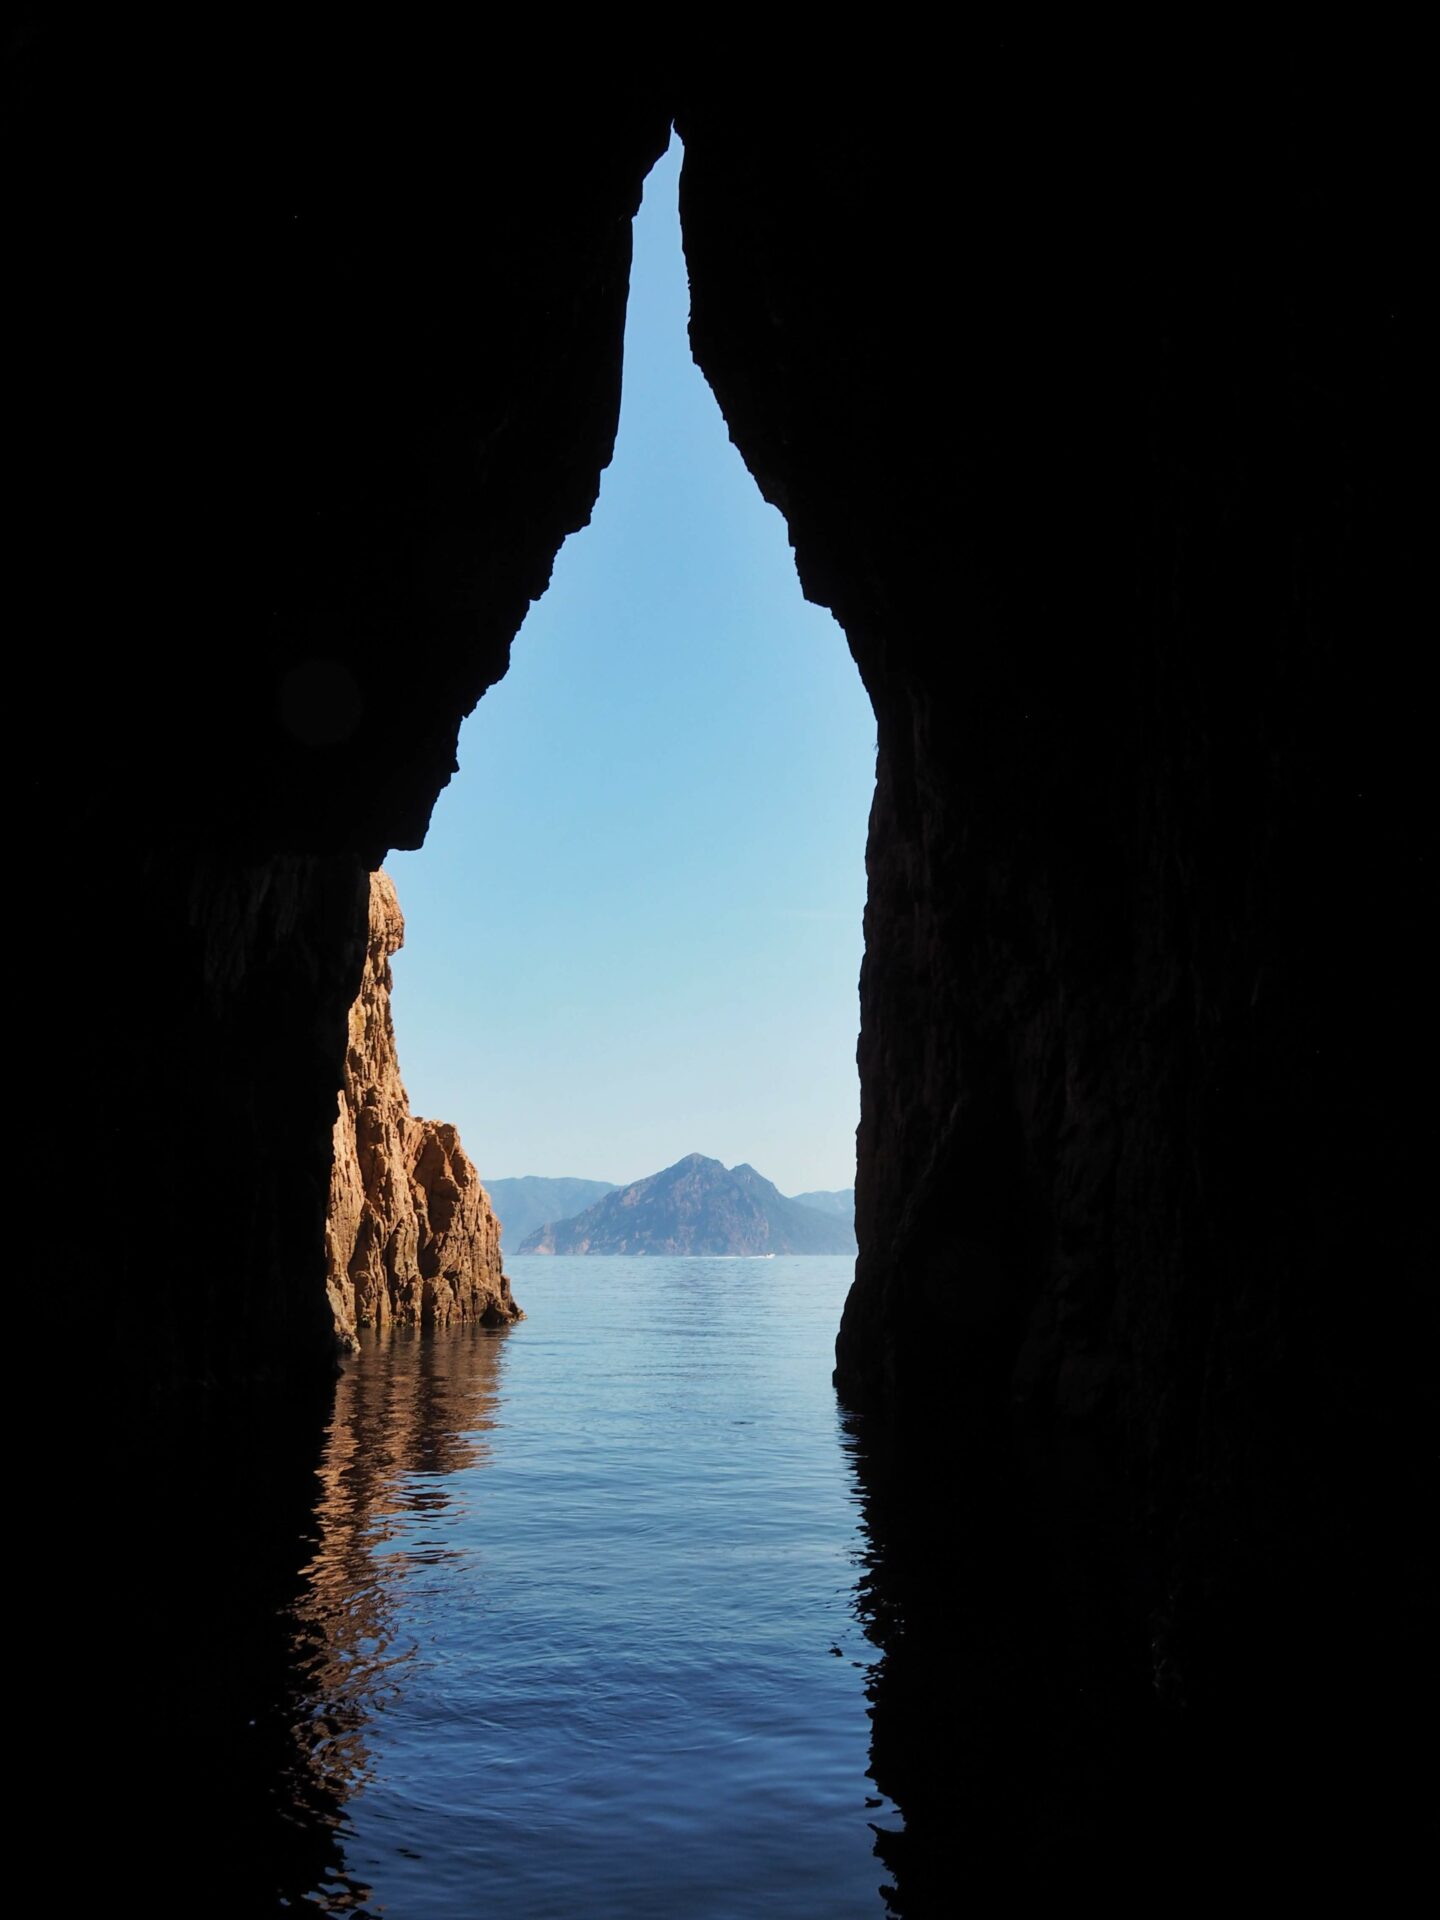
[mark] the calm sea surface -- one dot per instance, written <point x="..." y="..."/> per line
<point x="578" y="1635"/>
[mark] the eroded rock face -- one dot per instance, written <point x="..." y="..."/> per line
<point x="411" y="1238"/>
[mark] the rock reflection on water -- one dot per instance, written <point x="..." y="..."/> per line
<point x="613" y="1667"/>
<point x="398" y="1431"/>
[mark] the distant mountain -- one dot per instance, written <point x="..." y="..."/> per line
<point x="696" y="1207"/>
<point x="841" y="1202"/>
<point x="524" y="1204"/>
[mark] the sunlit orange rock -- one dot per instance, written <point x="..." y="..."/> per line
<point x="410" y="1237"/>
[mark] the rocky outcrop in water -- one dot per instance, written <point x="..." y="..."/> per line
<point x="411" y="1237"/>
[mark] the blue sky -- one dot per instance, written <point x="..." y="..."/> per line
<point x="634" y="930"/>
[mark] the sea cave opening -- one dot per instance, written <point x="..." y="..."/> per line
<point x="1081" y="384"/>
<point x="630" y="968"/>
<point x="634" y="931"/>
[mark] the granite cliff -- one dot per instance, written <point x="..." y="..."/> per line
<point x="410" y="1238"/>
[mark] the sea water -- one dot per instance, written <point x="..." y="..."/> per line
<point x="578" y="1634"/>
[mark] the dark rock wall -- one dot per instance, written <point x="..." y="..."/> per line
<point x="1082" y="399"/>
<point x="316" y="359"/>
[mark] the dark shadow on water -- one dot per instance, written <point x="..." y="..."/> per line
<point x="1032" y="1725"/>
<point x="170" y="1737"/>
<point x="1012" y="1722"/>
<point x="223" y="1634"/>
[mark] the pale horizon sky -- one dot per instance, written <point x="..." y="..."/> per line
<point x="634" y="930"/>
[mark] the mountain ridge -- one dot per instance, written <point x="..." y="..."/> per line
<point x="531" y="1200"/>
<point x="696" y="1207"/>
<point x="837" y="1200"/>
